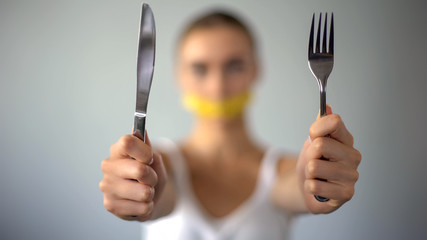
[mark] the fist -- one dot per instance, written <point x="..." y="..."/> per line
<point x="327" y="165"/>
<point x="133" y="179"/>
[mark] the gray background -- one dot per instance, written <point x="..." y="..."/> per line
<point x="67" y="91"/>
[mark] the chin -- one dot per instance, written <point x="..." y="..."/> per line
<point x="226" y="121"/>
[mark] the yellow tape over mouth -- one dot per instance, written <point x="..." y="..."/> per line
<point x="227" y="108"/>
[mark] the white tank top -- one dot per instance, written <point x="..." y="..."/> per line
<point x="256" y="218"/>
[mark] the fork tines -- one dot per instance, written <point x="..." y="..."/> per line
<point x="325" y="30"/>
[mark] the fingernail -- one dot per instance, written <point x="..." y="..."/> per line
<point x="309" y="138"/>
<point x="151" y="161"/>
<point x="152" y="192"/>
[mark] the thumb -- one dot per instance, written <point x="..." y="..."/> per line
<point x="147" y="139"/>
<point x="328" y="111"/>
<point x="162" y="176"/>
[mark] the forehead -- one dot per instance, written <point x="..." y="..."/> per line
<point x="215" y="44"/>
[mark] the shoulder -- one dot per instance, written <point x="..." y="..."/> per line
<point x="166" y="160"/>
<point x="165" y="148"/>
<point x="279" y="160"/>
<point x="286" y="164"/>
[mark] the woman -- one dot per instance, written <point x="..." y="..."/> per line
<point x="218" y="183"/>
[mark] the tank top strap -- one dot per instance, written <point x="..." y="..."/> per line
<point x="176" y="161"/>
<point x="268" y="171"/>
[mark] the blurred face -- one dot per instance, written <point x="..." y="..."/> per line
<point x="216" y="63"/>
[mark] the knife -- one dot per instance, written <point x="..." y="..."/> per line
<point x="145" y="68"/>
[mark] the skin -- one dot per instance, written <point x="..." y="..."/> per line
<point x="223" y="160"/>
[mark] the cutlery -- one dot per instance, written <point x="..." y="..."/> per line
<point x="145" y="68"/>
<point x="321" y="62"/>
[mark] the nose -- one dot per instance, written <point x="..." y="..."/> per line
<point x="217" y="86"/>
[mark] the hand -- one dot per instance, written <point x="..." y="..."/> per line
<point x="329" y="139"/>
<point x="134" y="177"/>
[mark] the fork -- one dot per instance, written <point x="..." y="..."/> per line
<point x="321" y="62"/>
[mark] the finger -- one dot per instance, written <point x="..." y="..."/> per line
<point x="148" y="142"/>
<point x="328" y="190"/>
<point x="158" y="167"/>
<point x="160" y="170"/>
<point x="128" y="190"/>
<point x="147" y="139"/>
<point x="131" y="146"/>
<point x="331" y="171"/>
<point x="334" y="151"/>
<point x="149" y="178"/>
<point x="333" y="126"/>
<point x="130" y="169"/>
<point x="124" y="208"/>
<point x="328" y="111"/>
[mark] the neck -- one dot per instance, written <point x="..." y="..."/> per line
<point x="220" y="137"/>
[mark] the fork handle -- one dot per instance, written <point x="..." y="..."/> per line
<point x="322" y="113"/>
<point x="322" y="102"/>
<point x="320" y="198"/>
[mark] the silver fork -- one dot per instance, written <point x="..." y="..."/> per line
<point x="321" y="62"/>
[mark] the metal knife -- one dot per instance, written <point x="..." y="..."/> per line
<point x="145" y="68"/>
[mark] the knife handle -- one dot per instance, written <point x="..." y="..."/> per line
<point x="139" y="131"/>
<point x="139" y="126"/>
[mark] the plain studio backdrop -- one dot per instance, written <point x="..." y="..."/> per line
<point x="67" y="92"/>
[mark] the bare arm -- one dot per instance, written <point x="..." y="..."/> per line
<point x="286" y="193"/>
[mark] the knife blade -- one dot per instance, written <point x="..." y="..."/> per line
<point x="145" y="68"/>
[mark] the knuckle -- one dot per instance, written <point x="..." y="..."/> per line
<point x="145" y="194"/>
<point x="356" y="176"/>
<point x="313" y="187"/>
<point x="357" y="157"/>
<point x="145" y="209"/>
<point x="351" y="139"/>
<point x="148" y="154"/>
<point x="149" y="193"/>
<point x="319" y="144"/>
<point x="348" y="195"/>
<point x="312" y="131"/>
<point x="336" y="120"/>
<point x="126" y="143"/>
<point x="104" y="166"/>
<point x="311" y="168"/>
<point x="140" y="171"/>
<point x="112" y="148"/>
<point x="109" y="206"/>
<point x="102" y="186"/>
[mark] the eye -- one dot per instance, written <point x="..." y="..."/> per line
<point x="234" y="66"/>
<point x="199" y="69"/>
